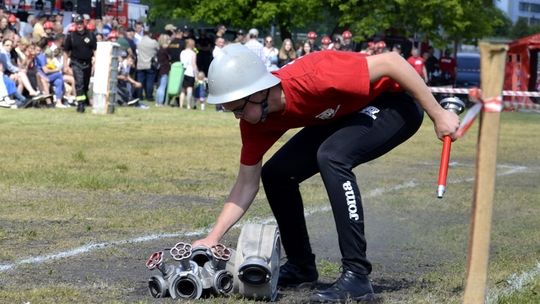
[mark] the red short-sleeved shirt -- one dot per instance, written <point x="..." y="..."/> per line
<point x="447" y="65"/>
<point x="319" y="87"/>
<point x="418" y="64"/>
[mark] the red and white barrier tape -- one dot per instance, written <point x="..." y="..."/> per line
<point x="475" y="93"/>
<point x="466" y="91"/>
<point x="491" y="104"/>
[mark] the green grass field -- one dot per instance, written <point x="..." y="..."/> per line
<point x="67" y="180"/>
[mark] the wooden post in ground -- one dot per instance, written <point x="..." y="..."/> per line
<point x="493" y="58"/>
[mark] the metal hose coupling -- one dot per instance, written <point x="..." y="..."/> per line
<point x="222" y="282"/>
<point x="157" y="284"/>
<point x="212" y="261"/>
<point x="186" y="283"/>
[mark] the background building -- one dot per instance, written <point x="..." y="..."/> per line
<point x="529" y="10"/>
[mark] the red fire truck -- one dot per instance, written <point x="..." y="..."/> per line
<point x="522" y="67"/>
<point x="126" y="12"/>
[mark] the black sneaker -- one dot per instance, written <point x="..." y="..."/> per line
<point x="350" y="286"/>
<point x="80" y="107"/>
<point x="297" y="276"/>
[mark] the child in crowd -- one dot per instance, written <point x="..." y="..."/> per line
<point x="200" y="90"/>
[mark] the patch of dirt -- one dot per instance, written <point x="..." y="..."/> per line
<point x="393" y="248"/>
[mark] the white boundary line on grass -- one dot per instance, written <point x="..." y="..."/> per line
<point x="97" y="246"/>
<point x="515" y="282"/>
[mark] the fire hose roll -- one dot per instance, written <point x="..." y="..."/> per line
<point x="257" y="257"/>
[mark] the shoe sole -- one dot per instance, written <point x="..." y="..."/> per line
<point x="369" y="298"/>
<point x="304" y="285"/>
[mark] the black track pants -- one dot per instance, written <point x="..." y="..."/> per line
<point x="333" y="150"/>
<point x="81" y="72"/>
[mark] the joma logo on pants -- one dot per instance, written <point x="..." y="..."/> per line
<point x="351" y="201"/>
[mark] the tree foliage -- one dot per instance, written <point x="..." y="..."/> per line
<point x="284" y="14"/>
<point x="439" y="20"/>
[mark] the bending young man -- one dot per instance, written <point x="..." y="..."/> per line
<point x="353" y="109"/>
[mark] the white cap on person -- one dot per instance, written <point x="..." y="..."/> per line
<point x="253" y="32"/>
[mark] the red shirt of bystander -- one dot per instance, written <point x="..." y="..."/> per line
<point x="418" y="64"/>
<point x="447" y="65"/>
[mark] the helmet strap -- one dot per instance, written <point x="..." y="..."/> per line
<point x="264" y="107"/>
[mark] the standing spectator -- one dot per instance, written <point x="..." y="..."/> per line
<point x="188" y="57"/>
<point x="312" y="38"/>
<point x="176" y="46"/>
<point x="219" y="44"/>
<point x="218" y="47"/>
<point x="107" y="26"/>
<point x="58" y="18"/>
<point x="240" y="37"/>
<point x="220" y="31"/>
<point x="270" y="54"/>
<point x="306" y="48"/>
<point x="4" y="24"/>
<point x="146" y="74"/>
<point x="164" y="68"/>
<point x="14" y="24"/>
<point x="188" y="32"/>
<point x="48" y="26"/>
<point x="286" y="53"/>
<point x="99" y="37"/>
<point x="204" y="48"/>
<point x="39" y="31"/>
<point x="254" y="45"/>
<point x="139" y="32"/>
<point x="170" y="29"/>
<point x="432" y="65"/>
<point x="447" y="64"/>
<point x="348" y="44"/>
<point x="336" y="45"/>
<point x="79" y="47"/>
<point x="418" y="64"/>
<point x="26" y="28"/>
<point x="325" y="43"/>
<point x="199" y="90"/>
<point x="122" y="40"/>
<point x="130" y="34"/>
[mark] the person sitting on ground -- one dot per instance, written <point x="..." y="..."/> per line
<point x="51" y="72"/>
<point x="13" y="71"/>
<point x="126" y="83"/>
<point x="9" y="96"/>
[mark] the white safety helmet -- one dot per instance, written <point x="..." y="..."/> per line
<point x="237" y="73"/>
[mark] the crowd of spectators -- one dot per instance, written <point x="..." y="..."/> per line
<point x="35" y="71"/>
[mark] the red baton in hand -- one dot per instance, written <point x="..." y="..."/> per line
<point x="443" y="167"/>
<point x="457" y="106"/>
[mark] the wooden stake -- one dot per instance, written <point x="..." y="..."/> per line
<point x="493" y="58"/>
